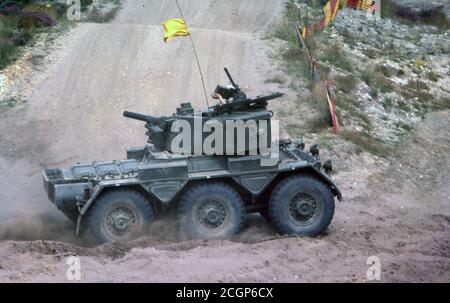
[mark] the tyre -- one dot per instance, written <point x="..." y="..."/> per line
<point x="301" y="205"/>
<point x="211" y="211"/>
<point x="120" y="215"/>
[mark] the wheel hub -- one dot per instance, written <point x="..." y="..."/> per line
<point x="120" y="221"/>
<point x="212" y="214"/>
<point x="303" y="207"/>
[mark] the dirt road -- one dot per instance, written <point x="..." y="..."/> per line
<point x="399" y="213"/>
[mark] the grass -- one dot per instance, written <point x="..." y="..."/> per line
<point x="334" y="55"/>
<point x="388" y="103"/>
<point x="294" y="62"/>
<point x="383" y="69"/>
<point x="8" y="51"/>
<point x="367" y="143"/>
<point x="11" y="102"/>
<point x="376" y="78"/>
<point x="417" y="89"/>
<point x="276" y="79"/>
<point x="285" y="29"/>
<point x="345" y="84"/>
<point x="404" y="126"/>
<point x="348" y="107"/>
<point x="435" y="17"/>
<point x="433" y="76"/>
<point x="15" y="32"/>
<point x="440" y="104"/>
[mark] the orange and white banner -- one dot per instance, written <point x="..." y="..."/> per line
<point x="331" y="9"/>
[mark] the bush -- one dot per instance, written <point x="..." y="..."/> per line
<point x="276" y="79"/>
<point x="376" y="79"/>
<point x="13" y="7"/>
<point x="366" y="142"/>
<point x="21" y="38"/>
<point x="432" y="16"/>
<point x="7" y="51"/>
<point x="334" y="55"/>
<point x="345" y="83"/>
<point x="32" y="19"/>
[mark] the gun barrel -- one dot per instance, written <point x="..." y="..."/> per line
<point x="248" y="102"/>
<point x="231" y="79"/>
<point x="140" y="117"/>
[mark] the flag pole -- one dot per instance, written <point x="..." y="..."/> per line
<point x="196" y="56"/>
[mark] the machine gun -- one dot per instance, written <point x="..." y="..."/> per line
<point x="230" y="92"/>
<point x="246" y="104"/>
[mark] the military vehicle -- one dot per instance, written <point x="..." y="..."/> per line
<point x="211" y="193"/>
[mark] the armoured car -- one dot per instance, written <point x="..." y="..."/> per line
<point x="211" y="192"/>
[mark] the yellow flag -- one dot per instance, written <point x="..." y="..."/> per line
<point x="173" y="28"/>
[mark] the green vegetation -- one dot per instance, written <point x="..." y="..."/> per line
<point x="8" y="51"/>
<point x="346" y="84"/>
<point x="376" y="79"/>
<point x="20" y="21"/>
<point x="11" y="102"/>
<point x="348" y="107"/>
<point x="434" y="17"/>
<point x="367" y="143"/>
<point x="345" y="74"/>
<point x="334" y="55"/>
<point x="417" y="90"/>
<point x="388" y="103"/>
<point x="433" y="76"/>
<point x="276" y="79"/>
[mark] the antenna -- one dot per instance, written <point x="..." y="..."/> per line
<point x="196" y="57"/>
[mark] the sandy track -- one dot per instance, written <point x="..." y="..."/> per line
<point x="74" y="114"/>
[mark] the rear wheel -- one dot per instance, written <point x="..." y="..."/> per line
<point x="118" y="216"/>
<point x="301" y="205"/>
<point x="211" y="211"/>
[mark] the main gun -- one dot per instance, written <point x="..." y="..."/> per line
<point x="141" y="117"/>
<point x="156" y="128"/>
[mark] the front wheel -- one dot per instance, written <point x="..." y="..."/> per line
<point x="118" y="216"/>
<point x="211" y="211"/>
<point x="301" y="205"/>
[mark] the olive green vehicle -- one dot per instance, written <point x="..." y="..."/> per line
<point x="118" y="200"/>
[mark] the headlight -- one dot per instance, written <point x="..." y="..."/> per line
<point x="328" y="166"/>
<point x="314" y="150"/>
